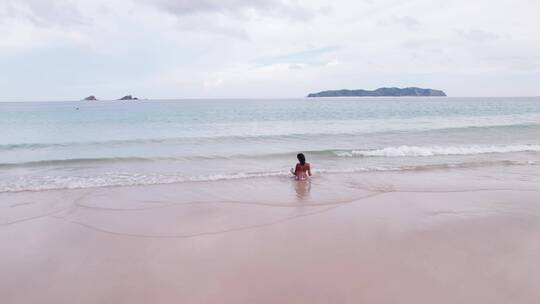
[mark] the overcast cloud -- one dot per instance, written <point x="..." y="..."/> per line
<point x="68" y="49"/>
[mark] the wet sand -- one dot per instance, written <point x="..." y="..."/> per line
<point x="448" y="236"/>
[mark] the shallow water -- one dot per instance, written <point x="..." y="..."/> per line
<point x="57" y="145"/>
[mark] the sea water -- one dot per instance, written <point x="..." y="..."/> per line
<point x="64" y="145"/>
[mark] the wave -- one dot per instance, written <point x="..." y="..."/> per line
<point x="110" y="160"/>
<point x="416" y="151"/>
<point x="397" y="151"/>
<point x="76" y="161"/>
<point x="119" y="179"/>
<point x="346" y="128"/>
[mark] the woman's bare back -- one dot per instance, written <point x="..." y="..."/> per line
<point x="302" y="171"/>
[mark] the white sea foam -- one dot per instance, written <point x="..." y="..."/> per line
<point x="39" y="183"/>
<point x="402" y="151"/>
<point x="51" y="182"/>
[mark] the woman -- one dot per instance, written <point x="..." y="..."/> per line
<point x="302" y="170"/>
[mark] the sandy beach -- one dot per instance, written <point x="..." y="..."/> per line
<point x="434" y="236"/>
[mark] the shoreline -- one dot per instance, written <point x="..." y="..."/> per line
<point x="157" y="179"/>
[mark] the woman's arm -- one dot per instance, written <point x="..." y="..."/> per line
<point x="309" y="169"/>
<point x="296" y="170"/>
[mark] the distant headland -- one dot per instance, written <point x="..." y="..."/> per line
<point x="412" y="91"/>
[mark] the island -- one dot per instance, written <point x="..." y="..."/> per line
<point x="412" y="91"/>
<point x="128" y="97"/>
<point x="91" y="98"/>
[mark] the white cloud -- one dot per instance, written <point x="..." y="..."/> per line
<point x="43" y="13"/>
<point x="476" y="35"/>
<point x="237" y="8"/>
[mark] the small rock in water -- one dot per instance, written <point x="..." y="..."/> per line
<point x="128" y="97"/>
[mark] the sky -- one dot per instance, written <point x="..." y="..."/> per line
<point x="166" y="49"/>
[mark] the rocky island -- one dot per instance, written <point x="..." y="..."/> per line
<point x="128" y="97"/>
<point x="412" y="91"/>
<point x="91" y="98"/>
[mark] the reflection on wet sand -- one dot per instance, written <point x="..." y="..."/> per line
<point x="302" y="188"/>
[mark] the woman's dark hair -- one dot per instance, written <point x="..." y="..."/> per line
<point x="301" y="158"/>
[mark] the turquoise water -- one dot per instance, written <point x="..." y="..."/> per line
<point x="56" y="145"/>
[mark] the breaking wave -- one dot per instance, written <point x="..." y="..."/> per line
<point x="416" y="151"/>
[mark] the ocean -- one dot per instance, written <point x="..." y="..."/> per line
<point x="68" y="145"/>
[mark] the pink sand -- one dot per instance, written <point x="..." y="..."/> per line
<point x="455" y="236"/>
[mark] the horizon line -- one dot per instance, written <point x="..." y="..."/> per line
<point x="267" y="98"/>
